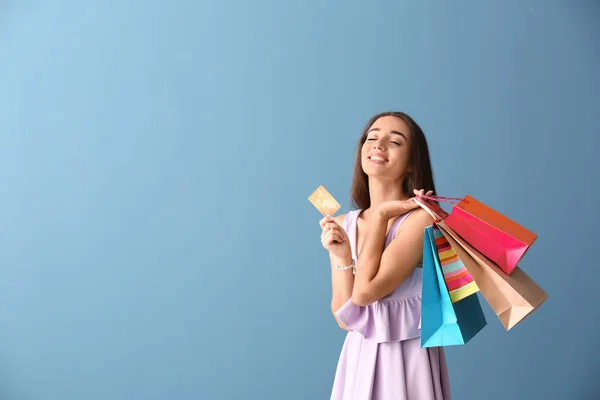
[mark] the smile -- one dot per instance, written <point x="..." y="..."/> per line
<point x="378" y="159"/>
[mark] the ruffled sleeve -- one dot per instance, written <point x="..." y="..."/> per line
<point x="390" y="320"/>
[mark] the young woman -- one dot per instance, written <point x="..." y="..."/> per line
<point x="375" y="252"/>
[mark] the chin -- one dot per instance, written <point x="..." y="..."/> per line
<point x="377" y="173"/>
<point x="383" y="174"/>
<point x="376" y="170"/>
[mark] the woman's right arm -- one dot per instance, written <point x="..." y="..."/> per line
<point x="342" y="282"/>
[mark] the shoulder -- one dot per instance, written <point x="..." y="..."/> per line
<point x="339" y="219"/>
<point x="350" y="214"/>
<point x="342" y="219"/>
<point x="416" y="221"/>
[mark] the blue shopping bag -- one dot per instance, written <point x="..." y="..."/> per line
<point x="444" y="323"/>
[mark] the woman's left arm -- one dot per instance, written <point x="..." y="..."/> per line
<point x="378" y="271"/>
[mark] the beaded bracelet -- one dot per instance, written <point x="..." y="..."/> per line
<point x="347" y="267"/>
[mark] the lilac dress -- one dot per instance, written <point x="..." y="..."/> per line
<point x="382" y="358"/>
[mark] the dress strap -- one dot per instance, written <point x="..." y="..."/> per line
<point x="349" y="225"/>
<point x="397" y="223"/>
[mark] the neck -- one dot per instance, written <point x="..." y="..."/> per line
<point x="382" y="191"/>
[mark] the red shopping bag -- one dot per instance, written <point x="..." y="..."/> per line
<point x="493" y="234"/>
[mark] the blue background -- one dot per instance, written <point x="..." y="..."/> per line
<point x="156" y="241"/>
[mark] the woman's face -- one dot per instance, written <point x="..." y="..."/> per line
<point x="386" y="151"/>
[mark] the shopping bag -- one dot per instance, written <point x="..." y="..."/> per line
<point x="444" y="323"/>
<point x="512" y="297"/>
<point x="494" y="235"/>
<point x="458" y="280"/>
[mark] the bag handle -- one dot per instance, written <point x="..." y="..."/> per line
<point x="443" y="199"/>
<point x="432" y="209"/>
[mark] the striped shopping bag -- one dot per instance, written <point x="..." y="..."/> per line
<point x="458" y="280"/>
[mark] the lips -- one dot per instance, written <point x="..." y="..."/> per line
<point x="378" y="158"/>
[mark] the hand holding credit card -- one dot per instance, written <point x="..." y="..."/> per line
<point x="333" y="237"/>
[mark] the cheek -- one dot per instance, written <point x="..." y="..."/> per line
<point x="401" y="159"/>
<point x="364" y="151"/>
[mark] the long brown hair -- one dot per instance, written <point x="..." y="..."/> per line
<point x="421" y="175"/>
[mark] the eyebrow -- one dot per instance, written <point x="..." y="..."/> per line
<point x="394" y="132"/>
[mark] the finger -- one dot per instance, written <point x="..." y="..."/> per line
<point x="333" y="233"/>
<point x="339" y="230"/>
<point x="327" y="229"/>
<point x="331" y="225"/>
<point x="336" y="235"/>
<point x="325" y="220"/>
<point x="337" y="238"/>
<point x="327" y="243"/>
<point x="413" y="204"/>
<point x="342" y="235"/>
<point x="329" y="240"/>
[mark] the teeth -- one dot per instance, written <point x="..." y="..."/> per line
<point x="375" y="158"/>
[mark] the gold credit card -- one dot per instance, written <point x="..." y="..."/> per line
<point x="324" y="201"/>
